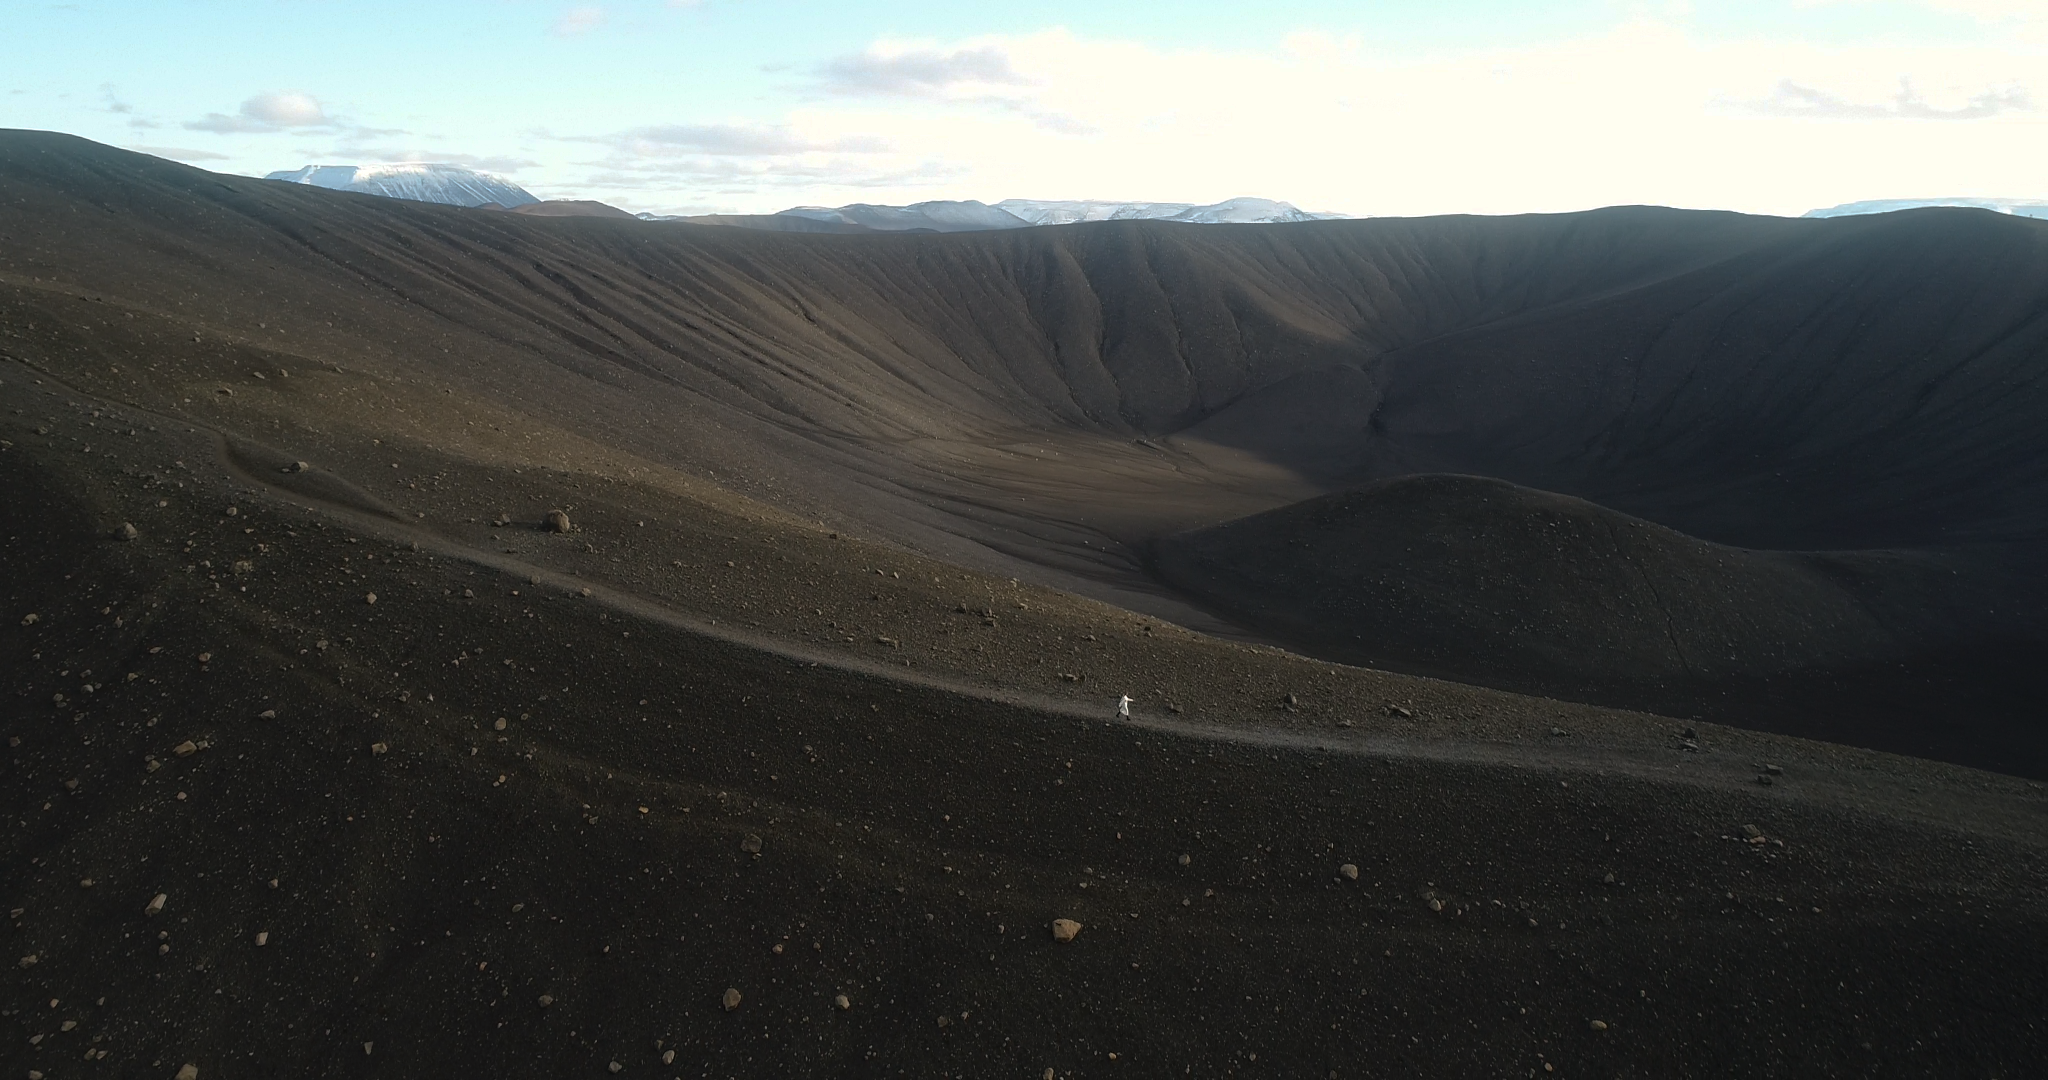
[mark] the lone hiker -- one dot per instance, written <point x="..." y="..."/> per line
<point x="1123" y="706"/>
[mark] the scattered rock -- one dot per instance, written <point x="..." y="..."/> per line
<point x="889" y="641"/>
<point x="558" y="522"/>
<point x="1764" y="779"/>
<point x="668" y="1057"/>
<point x="186" y="748"/>
<point x="369" y="598"/>
<point x="366" y="1048"/>
<point x="498" y="724"/>
<point x="1558" y="733"/>
<point x="267" y="714"/>
<point x="156" y="904"/>
<point x="1435" y="904"/>
<point x="31" y="619"/>
<point x="1349" y="870"/>
<point x="1598" y="1025"/>
<point x="731" y="999"/>
<point x="1397" y="710"/>
<point x="615" y="1067"/>
<point x="127" y="531"/>
<point x="751" y="844"/>
<point x="30" y="960"/>
<point x="379" y="748"/>
<point x="1185" y="859"/>
<point x="842" y="1002"/>
<point x="1752" y="832"/>
<point x="187" y="1072"/>
<point x="1774" y="770"/>
<point x="232" y="511"/>
<point x="546" y="1000"/>
<point x="296" y="467"/>
<point x="1065" y="929"/>
<point x="1608" y="880"/>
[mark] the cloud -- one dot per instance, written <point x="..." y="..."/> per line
<point x="1990" y="11"/>
<point x="783" y="162"/>
<point x="734" y="140"/>
<point x="179" y="153"/>
<point x="1656" y="108"/>
<point x="1793" y="99"/>
<point x="497" y="163"/>
<point x="792" y="181"/>
<point x="579" y="20"/>
<point x="267" y="113"/>
<point x="885" y="68"/>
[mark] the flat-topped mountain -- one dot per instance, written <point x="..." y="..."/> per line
<point x="417" y="181"/>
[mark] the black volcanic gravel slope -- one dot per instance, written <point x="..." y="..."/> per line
<point x="805" y="703"/>
<point x="214" y="711"/>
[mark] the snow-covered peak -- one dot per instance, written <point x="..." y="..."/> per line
<point x="2035" y="208"/>
<point x="420" y="181"/>
<point x="1230" y="211"/>
<point x="936" y="216"/>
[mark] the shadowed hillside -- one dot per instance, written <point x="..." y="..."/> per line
<point x="1482" y="581"/>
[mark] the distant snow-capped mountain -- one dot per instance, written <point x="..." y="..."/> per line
<point x="1230" y="211"/>
<point x="936" y="216"/>
<point x="420" y="181"/>
<point x="972" y="216"/>
<point x="2034" y="208"/>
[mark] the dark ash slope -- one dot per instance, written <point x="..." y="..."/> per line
<point x="1482" y="581"/>
<point x="1045" y="403"/>
<point x="860" y="664"/>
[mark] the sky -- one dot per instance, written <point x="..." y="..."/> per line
<point x="1369" y="107"/>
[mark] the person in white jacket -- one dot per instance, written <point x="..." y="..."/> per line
<point x="1123" y="706"/>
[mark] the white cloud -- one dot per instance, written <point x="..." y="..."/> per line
<point x="579" y="20"/>
<point x="179" y="153"/>
<point x="1792" y="99"/>
<point x="742" y="140"/>
<point x="496" y="163"/>
<point x="894" y="67"/>
<point x="267" y="113"/>
<point x="1646" y="112"/>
